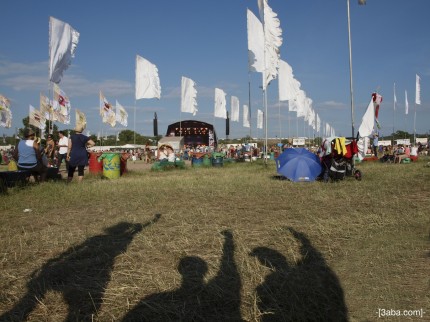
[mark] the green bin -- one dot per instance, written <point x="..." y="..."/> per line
<point x="111" y="164"/>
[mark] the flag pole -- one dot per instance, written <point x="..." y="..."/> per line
<point x="350" y="69"/>
<point x="134" y="124"/>
<point x="394" y="109"/>
<point x="415" y="119"/>
<point x="265" y="125"/>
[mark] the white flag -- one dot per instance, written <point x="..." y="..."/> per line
<point x="63" y="40"/>
<point x="368" y="121"/>
<point x="147" y="80"/>
<point x="246" y="122"/>
<point x="288" y="86"/>
<point x="318" y="123"/>
<point x="417" y="90"/>
<point x="188" y="96"/>
<point x="81" y="119"/>
<point x="234" y="109"/>
<point x="121" y="114"/>
<point x="406" y="103"/>
<point x="395" y="98"/>
<point x="272" y="42"/>
<point x="260" y="117"/>
<point x="255" y="43"/>
<point x="36" y="118"/>
<point x="220" y="104"/>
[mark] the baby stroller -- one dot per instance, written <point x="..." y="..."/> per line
<point x="340" y="162"/>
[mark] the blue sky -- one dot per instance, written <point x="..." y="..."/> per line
<point x="207" y="42"/>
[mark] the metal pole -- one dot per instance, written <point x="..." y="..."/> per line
<point x="265" y="124"/>
<point x="350" y="70"/>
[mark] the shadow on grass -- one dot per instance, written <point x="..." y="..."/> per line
<point x="195" y="300"/>
<point x="307" y="291"/>
<point x="81" y="274"/>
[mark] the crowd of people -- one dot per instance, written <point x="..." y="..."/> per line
<point x="33" y="156"/>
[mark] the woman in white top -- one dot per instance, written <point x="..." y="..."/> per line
<point x="162" y="155"/>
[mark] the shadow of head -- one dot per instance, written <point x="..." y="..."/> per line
<point x="270" y="258"/>
<point x="124" y="228"/>
<point x="192" y="267"/>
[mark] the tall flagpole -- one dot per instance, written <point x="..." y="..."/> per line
<point x="415" y="119"/>
<point x="350" y="69"/>
<point x="394" y="108"/>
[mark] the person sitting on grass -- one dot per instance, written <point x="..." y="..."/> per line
<point x="405" y="155"/>
<point x="162" y="153"/>
<point x="29" y="157"/>
<point x="171" y="157"/>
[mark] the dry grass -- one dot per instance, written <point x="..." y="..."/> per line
<point x="231" y="243"/>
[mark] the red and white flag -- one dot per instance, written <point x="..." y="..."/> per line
<point x="377" y="100"/>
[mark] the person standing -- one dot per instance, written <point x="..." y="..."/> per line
<point x="29" y="156"/>
<point x="77" y="153"/>
<point x="63" y="145"/>
<point x="50" y="149"/>
<point x="375" y="144"/>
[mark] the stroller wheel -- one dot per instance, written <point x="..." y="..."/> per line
<point x="357" y="175"/>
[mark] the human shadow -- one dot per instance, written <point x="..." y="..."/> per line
<point x="306" y="291"/>
<point x="195" y="300"/>
<point x="81" y="274"/>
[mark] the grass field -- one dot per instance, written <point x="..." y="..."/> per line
<point x="218" y="244"/>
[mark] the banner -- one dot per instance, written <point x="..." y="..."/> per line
<point x="260" y="117"/>
<point x="46" y="107"/>
<point x="417" y="90"/>
<point x="5" y="112"/>
<point x="246" y="122"/>
<point x="63" y="40"/>
<point x="406" y="103"/>
<point x="255" y="43"/>
<point x="220" y="104"/>
<point x="188" y="96"/>
<point x="147" y="80"/>
<point x="36" y="118"/>
<point x="61" y="106"/>
<point x="272" y="41"/>
<point x="234" y="109"/>
<point x="368" y="121"/>
<point x="106" y="111"/>
<point x="377" y="100"/>
<point x="121" y="115"/>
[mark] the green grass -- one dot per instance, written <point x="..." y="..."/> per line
<point x="297" y="251"/>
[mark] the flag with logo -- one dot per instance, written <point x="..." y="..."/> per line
<point x="36" y="118"/>
<point x="106" y="111"/>
<point x="5" y="112"/>
<point x="61" y="105"/>
<point x="377" y="100"/>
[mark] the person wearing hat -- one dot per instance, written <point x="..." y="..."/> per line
<point x="29" y="157"/>
<point x="77" y="154"/>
